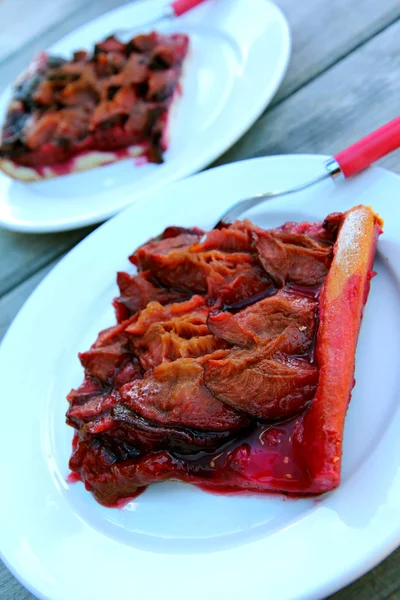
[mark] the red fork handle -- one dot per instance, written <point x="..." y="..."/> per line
<point x="181" y="6"/>
<point x="363" y="153"/>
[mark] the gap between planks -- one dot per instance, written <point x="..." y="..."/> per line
<point x="336" y="29"/>
<point x="317" y="43"/>
<point x="11" y="303"/>
<point x="22" y="254"/>
<point x="382" y="583"/>
<point x="355" y="96"/>
<point x="316" y="140"/>
<point x="57" y="22"/>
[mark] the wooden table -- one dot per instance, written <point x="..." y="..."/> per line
<point x="343" y="81"/>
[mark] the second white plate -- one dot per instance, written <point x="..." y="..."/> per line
<point x="237" y="61"/>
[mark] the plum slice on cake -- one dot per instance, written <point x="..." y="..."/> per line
<point x="97" y="108"/>
<point x="232" y="362"/>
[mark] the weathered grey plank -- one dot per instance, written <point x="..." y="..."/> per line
<point x="349" y="100"/>
<point x="85" y="10"/>
<point x="21" y="255"/>
<point x="382" y="583"/>
<point x="38" y="16"/>
<point x="10" y="588"/>
<point x="323" y="32"/>
<point x="11" y="303"/>
<point x="321" y="117"/>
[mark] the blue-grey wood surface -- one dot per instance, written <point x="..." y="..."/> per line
<point x="343" y="81"/>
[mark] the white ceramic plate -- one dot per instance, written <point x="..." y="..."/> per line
<point x="237" y="61"/>
<point x="176" y="541"/>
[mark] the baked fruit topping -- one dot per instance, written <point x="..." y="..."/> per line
<point x="98" y="107"/>
<point x="231" y="365"/>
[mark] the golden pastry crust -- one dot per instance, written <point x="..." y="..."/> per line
<point x="89" y="160"/>
<point x="342" y="301"/>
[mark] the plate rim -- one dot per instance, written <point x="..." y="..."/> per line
<point x="388" y="544"/>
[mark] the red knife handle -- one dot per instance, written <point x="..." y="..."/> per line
<point x="372" y="147"/>
<point x="181" y="6"/>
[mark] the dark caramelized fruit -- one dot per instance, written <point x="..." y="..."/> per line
<point x="232" y="362"/>
<point x="113" y="98"/>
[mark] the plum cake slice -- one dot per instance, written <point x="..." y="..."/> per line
<point x="231" y="364"/>
<point x="97" y="108"/>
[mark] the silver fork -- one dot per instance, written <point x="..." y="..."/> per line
<point x="346" y="163"/>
